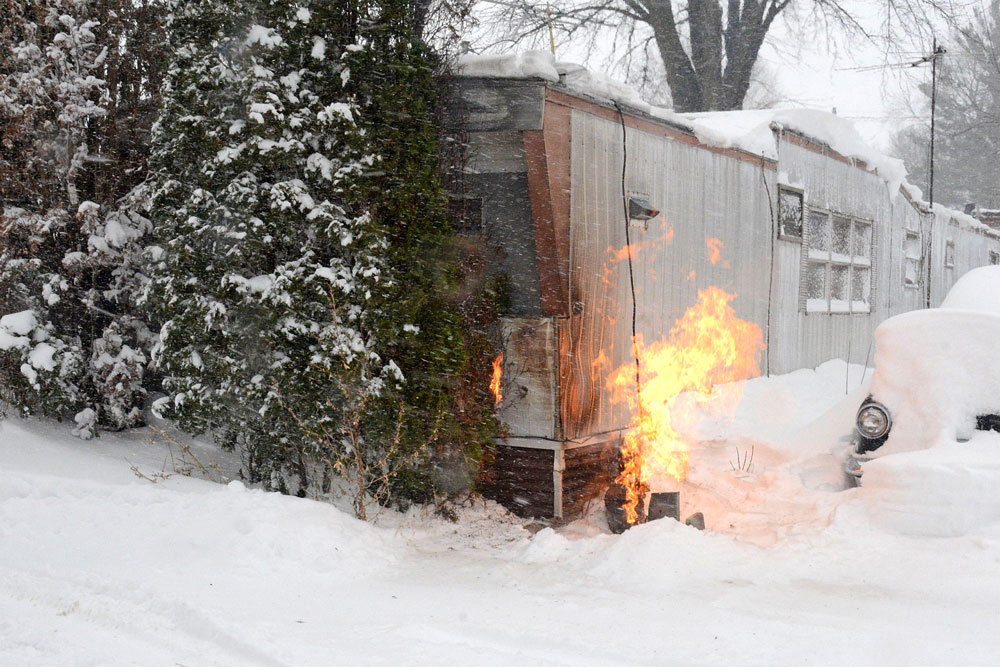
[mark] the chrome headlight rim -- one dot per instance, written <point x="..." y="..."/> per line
<point x="876" y="408"/>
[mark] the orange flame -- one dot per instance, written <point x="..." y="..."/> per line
<point x="708" y="346"/>
<point x="495" y="381"/>
<point x="714" y="250"/>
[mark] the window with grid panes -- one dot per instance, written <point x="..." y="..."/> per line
<point x="838" y="270"/>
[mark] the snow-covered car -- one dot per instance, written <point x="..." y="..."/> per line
<point x="937" y="373"/>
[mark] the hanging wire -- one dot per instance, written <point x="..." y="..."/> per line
<point x="628" y="249"/>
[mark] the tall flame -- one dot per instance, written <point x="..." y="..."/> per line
<point x="495" y="380"/>
<point x="708" y="346"/>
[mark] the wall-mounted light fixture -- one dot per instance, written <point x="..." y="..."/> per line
<point x="640" y="209"/>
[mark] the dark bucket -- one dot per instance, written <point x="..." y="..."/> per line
<point x="665" y="504"/>
<point x="614" y="505"/>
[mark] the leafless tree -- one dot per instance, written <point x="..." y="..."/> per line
<point x="706" y="50"/>
<point x="967" y="136"/>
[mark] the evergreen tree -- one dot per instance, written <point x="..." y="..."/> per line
<point x="302" y="231"/>
<point x="71" y="88"/>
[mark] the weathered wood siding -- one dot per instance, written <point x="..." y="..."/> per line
<point x="587" y="473"/>
<point x="522" y="481"/>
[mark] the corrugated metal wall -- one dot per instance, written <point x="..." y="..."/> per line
<point x="701" y="195"/>
<point x="704" y="194"/>
<point x="972" y="249"/>
<point x="800" y="339"/>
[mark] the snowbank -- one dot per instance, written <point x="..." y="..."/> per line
<point x="101" y="566"/>
<point x="945" y="491"/>
<point x="978" y="289"/>
<point x="937" y="370"/>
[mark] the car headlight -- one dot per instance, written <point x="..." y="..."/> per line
<point x="873" y="421"/>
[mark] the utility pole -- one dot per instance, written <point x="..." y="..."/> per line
<point x="937" y="52"/>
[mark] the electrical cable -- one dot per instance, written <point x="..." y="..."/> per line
<point x="628" y="252"/>
<point x="770" y="278"/>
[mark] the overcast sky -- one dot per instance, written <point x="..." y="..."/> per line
<point x="827" y="71"/>
<point x="875" y="88"/>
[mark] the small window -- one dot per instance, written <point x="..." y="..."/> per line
<point x="838" y="268"/>
<point x="994" y="257"/>
<point x="790" y="213"/>
<point x="913" y="256"/>
<point x="949" y="254"/>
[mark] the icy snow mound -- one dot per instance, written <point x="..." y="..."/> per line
<point x="946" y="491"/>
<point x="936" y="371"/>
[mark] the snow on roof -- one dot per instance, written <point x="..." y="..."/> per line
<point x="526" y="65"/>
<point x="751" y="131"/>
<point x="963" y="219"/>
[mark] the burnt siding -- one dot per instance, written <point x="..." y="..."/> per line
<point x="482" y="105"/>
<point x="588" y="473"/>
<point x="508" y="225"/>
<point x="522" y="481"/>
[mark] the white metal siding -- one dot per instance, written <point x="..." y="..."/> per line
<point x="704" y="194"/>
<point x="701" y="195"/>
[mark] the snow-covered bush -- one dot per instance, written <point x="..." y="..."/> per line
<point x="301" y="232"/>
<point x="70" y="236"/>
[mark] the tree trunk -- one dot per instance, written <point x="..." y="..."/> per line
<point x="699" y="81"/>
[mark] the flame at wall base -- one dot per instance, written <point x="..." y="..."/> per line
<point x="708" y="346"/>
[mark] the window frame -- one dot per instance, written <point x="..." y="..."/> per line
<point x="907" y="235"/>
<point x="949" y="254"/>
<point x="832" y="260"/>
<point x="782" y="234"/>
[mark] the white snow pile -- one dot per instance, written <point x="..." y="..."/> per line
<point x="978" y="289"/>
<point x="937" y="369"/>
<point x="525" y="65"/>
<point x="111" y="554"/>
<point x="950" y="489"/>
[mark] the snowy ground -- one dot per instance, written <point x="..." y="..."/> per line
<point x="99" y="566"/>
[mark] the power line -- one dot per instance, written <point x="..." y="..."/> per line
<point x="923" y="60"/>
